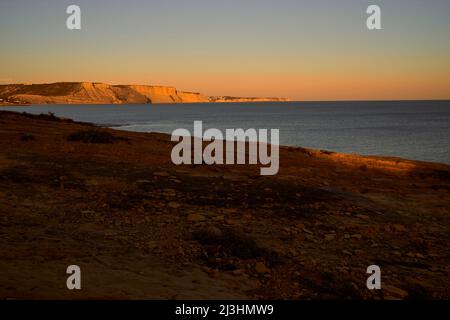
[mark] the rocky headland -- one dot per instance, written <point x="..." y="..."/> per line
<point x="101" y="93"/>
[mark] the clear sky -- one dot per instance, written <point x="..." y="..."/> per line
<point x="302" y="49"/>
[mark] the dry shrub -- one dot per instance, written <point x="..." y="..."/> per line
<point x="93" y="136"/>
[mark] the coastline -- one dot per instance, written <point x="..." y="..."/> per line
<point x="102" y="93"/>
<point x="376" y="136"/>
<point x="184" y="103"/>
<point x="155" y="230"/>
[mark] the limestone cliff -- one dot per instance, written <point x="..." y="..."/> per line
<point x="100" y="93"/>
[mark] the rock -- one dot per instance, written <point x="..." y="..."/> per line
<point x="363" y="217"/>
<point x="143" y="182"/>
<point x="356" y="236"/>
<point x="174" y="204"/>
<point x="214" y="273"/>
<point x="195" y="217"/>
<point x="330" y="237"/>
<point x="230" y="221"/>
<point x="169" y="192"/>
<point x="261" y="268"/>
<point x="238" y="272"/>
<point x="434" y="269"/>
<point x="152" y="245"/>
<point x="393" y="293"/>
<point x="211" y="232"/>
<point x="399" y="228"/>
<point x="161" y="174"/>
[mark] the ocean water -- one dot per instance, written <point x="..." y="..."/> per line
<point x="417" y="130"/>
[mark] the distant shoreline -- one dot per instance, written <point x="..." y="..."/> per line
<point x="3" y="104"/>
<point x="102" y="93"/>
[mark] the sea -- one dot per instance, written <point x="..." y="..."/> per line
<point x="418" y="130"/>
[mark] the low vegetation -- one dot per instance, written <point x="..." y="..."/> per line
<point x="93" y="136"/>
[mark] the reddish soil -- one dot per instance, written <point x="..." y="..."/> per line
<point x="141" y="228"/>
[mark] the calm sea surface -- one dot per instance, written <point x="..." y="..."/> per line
<point x="410" y="129"/>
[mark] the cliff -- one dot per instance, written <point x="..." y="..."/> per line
<point x="100" y="93"/>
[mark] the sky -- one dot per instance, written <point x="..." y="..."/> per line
<point x="301" y="49"/>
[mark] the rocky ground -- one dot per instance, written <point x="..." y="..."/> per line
<point x="139" y="227"/>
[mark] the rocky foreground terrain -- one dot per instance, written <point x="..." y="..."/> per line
<point x="101" y="93"/>
<point x="139" y="227"/>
